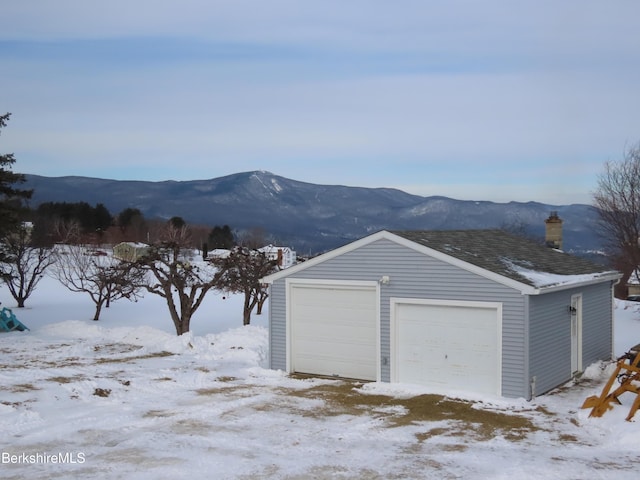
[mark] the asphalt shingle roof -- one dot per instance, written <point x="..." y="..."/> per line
<point x="500" y="252"/>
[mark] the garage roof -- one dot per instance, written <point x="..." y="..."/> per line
<point x="508" y="259"/>
<point x="511" y="256"/>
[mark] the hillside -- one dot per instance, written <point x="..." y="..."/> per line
<point x="307" y="216"/>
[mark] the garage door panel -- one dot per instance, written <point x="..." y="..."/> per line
<point x="342" y="364"/>
<point x="448" y="346"/>
<point x="334" y="330"/>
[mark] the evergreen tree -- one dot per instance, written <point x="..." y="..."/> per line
<point x="11" y="198"/>
<point x="221" y="237"/>
<point x="127" y="216"/>
<point x="177" y="222"/>
<point x="102" y="218"/>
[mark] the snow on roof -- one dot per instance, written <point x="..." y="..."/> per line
<point x="219" y="253"/>
<point x="272" y="248"/>
<point x="545" y="279"/>
<point x="513" y="257"/>
<point x="135" y="244"/>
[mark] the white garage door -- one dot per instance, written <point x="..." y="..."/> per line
<point x="334" y="330"/>
<point x="447" y="346"/>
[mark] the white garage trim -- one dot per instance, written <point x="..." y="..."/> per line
<point x="460" y="372"/>
<point x="345" y="286"/>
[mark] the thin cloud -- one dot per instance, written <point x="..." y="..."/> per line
<point x="386" y="92"/>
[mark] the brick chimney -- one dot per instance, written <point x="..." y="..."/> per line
<point x="553" y="231"/>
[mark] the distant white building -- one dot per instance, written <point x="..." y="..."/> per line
<point x="218" y="253"/>
<point x="285" y="256"/>
<point x="130" y="251"/>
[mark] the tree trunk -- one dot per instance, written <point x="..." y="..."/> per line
<point x="96" y="317"/>
<point x="246" y="312"/>
<point x="250" y="302"/>
<point x="20" y="302"/>
<point x="621" y="289"/>
<point x="182" y="325"/>
<point x="181" y="320"/>
<point x="262" y="297"/>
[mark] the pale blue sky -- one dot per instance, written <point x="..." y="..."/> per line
<point x="493" y="100"/>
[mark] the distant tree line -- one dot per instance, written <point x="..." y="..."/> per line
<point x="53" y="221"/>
<point x="48" y="217"/>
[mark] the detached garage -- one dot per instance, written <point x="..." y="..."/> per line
<point x="476" y="310"/>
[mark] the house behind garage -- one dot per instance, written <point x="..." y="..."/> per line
<point x="476" y="310"/>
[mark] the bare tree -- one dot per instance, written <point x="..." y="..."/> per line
<point x="241" y="272"/>
<point x="23" y="264"/>
<point x="173" y="275"/>
<point x="253" y="238"/>
<point x="617" y="199"/>
<point x="104" y="278"/>
<point x="66" y="231"/>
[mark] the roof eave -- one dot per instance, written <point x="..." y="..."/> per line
<point x="605" y="277"/>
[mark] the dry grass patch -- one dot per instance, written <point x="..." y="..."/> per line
<point x="158" y="414"/>
<point x="23" y="388"/>
<point x="61" y="379"/>
<point x="161" y="354"/>
<point x="544" y="411"/>
<point x="226" y="390"/>
<point x="56" y="346"/>
<point x="102" y="392"/>
<point x="116" y="348"/>
<point x="344" y="398"/>
<point x="191" y="427"/>
<point x="65" y="362"/>
<point x="28" y="362"/>
<point x="566" y="437"/>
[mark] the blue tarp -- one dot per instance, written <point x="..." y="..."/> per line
<point x="9" y="322"/>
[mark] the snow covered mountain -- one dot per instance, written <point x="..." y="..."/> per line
<point x="311" y="217"/>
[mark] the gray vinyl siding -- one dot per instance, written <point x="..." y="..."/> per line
<point x="550" y="333"/>
<point x="597" y="323"/>
<point x="550" y="340"/>
<point x="277" y="326"/>
<point x="413" y="275"/>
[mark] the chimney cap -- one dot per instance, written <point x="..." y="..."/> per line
<point x="553" y="217"/>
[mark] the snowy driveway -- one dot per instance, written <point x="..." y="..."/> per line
<point x="141" y="403"/>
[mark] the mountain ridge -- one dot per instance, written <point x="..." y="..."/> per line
<point x="311" y="217"/>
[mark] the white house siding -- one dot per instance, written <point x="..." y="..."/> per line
<point x="550" y="333"/>
<point x="413" y="275"/>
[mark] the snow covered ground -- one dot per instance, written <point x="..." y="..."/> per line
<point x="125" y="398"/>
